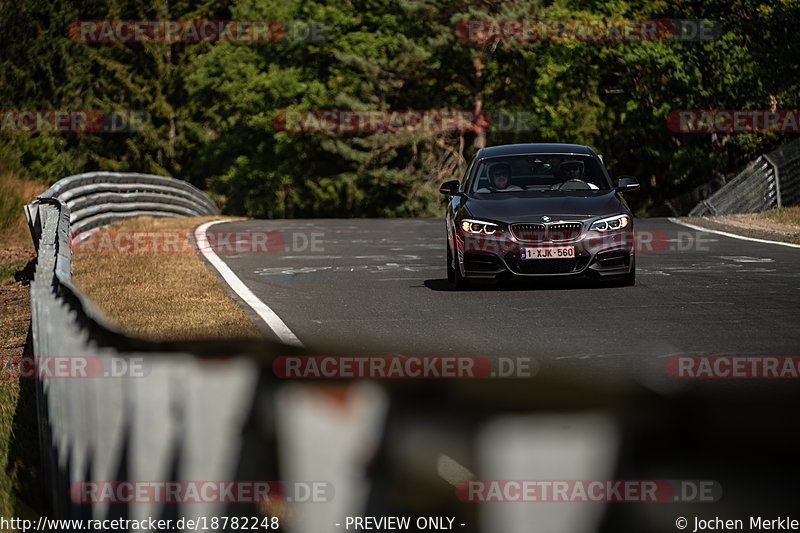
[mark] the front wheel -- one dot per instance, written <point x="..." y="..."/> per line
<point x="459" y="281"/>
<point x="629" y="279"/>
<point x="451" y="272"/>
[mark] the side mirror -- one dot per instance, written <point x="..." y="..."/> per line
<point x="627" y="183"/>
<point x="449" y="188"/>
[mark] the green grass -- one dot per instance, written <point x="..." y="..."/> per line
<point x="8" y="270"/>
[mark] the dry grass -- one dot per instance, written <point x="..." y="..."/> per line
<point x="784" y="215"/>
<point x="18" y="428"/>
<point x="774" y="225"/>
<point x="15" y="192"/>
<point x="160" y="296"/>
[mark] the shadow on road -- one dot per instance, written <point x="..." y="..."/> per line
<point x="523" y="285"/>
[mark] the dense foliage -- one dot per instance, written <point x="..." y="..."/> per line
<point x="212" y="105"/>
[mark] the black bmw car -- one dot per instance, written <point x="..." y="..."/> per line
<point x="547" y="210"/>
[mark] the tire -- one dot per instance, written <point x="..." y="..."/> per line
<point x="629" y="279"/>
<point x="454" y="275"/>
<point x="451" y="272"/>
<point x="459" y="281"/>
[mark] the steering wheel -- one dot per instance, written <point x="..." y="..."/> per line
<point x="573" y="184"/>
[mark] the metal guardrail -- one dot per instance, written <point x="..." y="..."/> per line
<point x="152" y="428"/>
<point x="680" y="205"/>
<point x="786" y="160"/>
<point x="772" y="180"/>
<point x="98" y="198"/>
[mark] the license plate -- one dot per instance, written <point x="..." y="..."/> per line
<point x="548" y="252"/>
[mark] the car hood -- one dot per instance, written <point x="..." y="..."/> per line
<point x="531" y="205"/>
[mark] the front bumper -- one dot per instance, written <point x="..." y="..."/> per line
<point x="597" y="254"/>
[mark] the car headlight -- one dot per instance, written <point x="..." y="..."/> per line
<point x="478" y="226"/>
<point x="611" y="223"/>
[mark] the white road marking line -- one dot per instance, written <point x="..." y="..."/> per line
<point x="746" y="259"/>
<point x="399" y="279"/>
<point x="451" y="470"/>
<point x="311" y="257"/>
<point x="731" y="235"/>
<point x="261" y="309"/>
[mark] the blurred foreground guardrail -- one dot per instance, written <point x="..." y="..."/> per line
<point x="216" y="412"/>
<point x="123" y="428"/>
<point x="772" y="180"/>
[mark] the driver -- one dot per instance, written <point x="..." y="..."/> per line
<point x="572" y="170"/>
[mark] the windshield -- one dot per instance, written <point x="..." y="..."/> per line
<point x="538" y="173"/>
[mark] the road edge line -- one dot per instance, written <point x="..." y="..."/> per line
<point x="732" y="235"/>
<point x="273" y="321"/>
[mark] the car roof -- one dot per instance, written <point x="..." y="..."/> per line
<point x="534" y="148"/>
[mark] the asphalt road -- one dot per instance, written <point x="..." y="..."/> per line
<point x="380" y="285"/>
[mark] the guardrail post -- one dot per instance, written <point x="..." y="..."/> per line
<point x="777" y="180"/>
